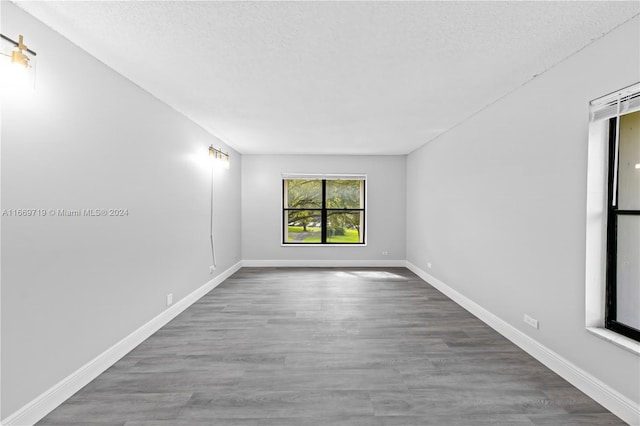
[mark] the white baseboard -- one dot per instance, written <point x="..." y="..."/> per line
<point x="46" y="402"/>
<point x="609" y="398"/>
<point x="324" y="263"/>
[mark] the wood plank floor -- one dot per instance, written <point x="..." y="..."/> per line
<point x="296" y="346"/>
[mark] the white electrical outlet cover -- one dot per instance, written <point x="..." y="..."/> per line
<point x="530" y="321"/>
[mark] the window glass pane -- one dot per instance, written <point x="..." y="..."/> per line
<point x="345" y="227"/>
<point x="303" y="226"/>
<point x="629" y="162"/>
<point x="344" y="194"/>
<point x="628" y="271"/>
<point x="303" y="194"/>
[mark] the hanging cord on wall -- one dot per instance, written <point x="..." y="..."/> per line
<point x="616" y="153"/>
<point x="213" y="249"/>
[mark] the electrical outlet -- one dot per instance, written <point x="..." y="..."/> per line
<point x="169" y="299"/>
<point x="531" y="321"/>
<point x="429" y="265"/>
<point x="211" y="269"/>
<point x="385" y="253"/>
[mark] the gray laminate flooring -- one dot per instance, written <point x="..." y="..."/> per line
<point x="297" y="346"/>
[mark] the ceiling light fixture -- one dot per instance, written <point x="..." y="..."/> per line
<point x="219" y="157"/>
<point x="18" y="56"/>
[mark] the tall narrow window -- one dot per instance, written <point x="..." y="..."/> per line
<point x="323" y="209"/>
<point x="622" y="311"/>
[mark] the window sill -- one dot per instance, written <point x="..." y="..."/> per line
<point x="323" y="245"/>
<point x="617" y="339"/>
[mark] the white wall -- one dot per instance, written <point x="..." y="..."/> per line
<point x="497" y="205"/>
<point x="88" y="138"/>
<point x="262" y="208"/>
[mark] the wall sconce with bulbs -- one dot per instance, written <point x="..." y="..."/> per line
<point x="20" y="68"/>
<point x="219" y="157"/>
<point x="18" y="56"/>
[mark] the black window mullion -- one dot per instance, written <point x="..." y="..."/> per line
<point x="323" y="237"/>
<point x="624" y="329"/>
<point x="612" y="233"/>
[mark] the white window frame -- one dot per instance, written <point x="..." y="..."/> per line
<point x="602" y="109"/>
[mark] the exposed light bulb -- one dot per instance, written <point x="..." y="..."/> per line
<point x="14" y="79"/>
<point x="19" y="58"/>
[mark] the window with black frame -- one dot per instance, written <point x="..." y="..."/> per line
<point x="323" y="210"/>
<point x="622" y="307"/>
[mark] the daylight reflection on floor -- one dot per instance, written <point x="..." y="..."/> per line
<point x="377" y="275"/>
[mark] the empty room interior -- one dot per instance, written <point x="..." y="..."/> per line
<point x="320" y="213"/>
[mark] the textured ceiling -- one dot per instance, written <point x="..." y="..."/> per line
<point x="330" y="77"/>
